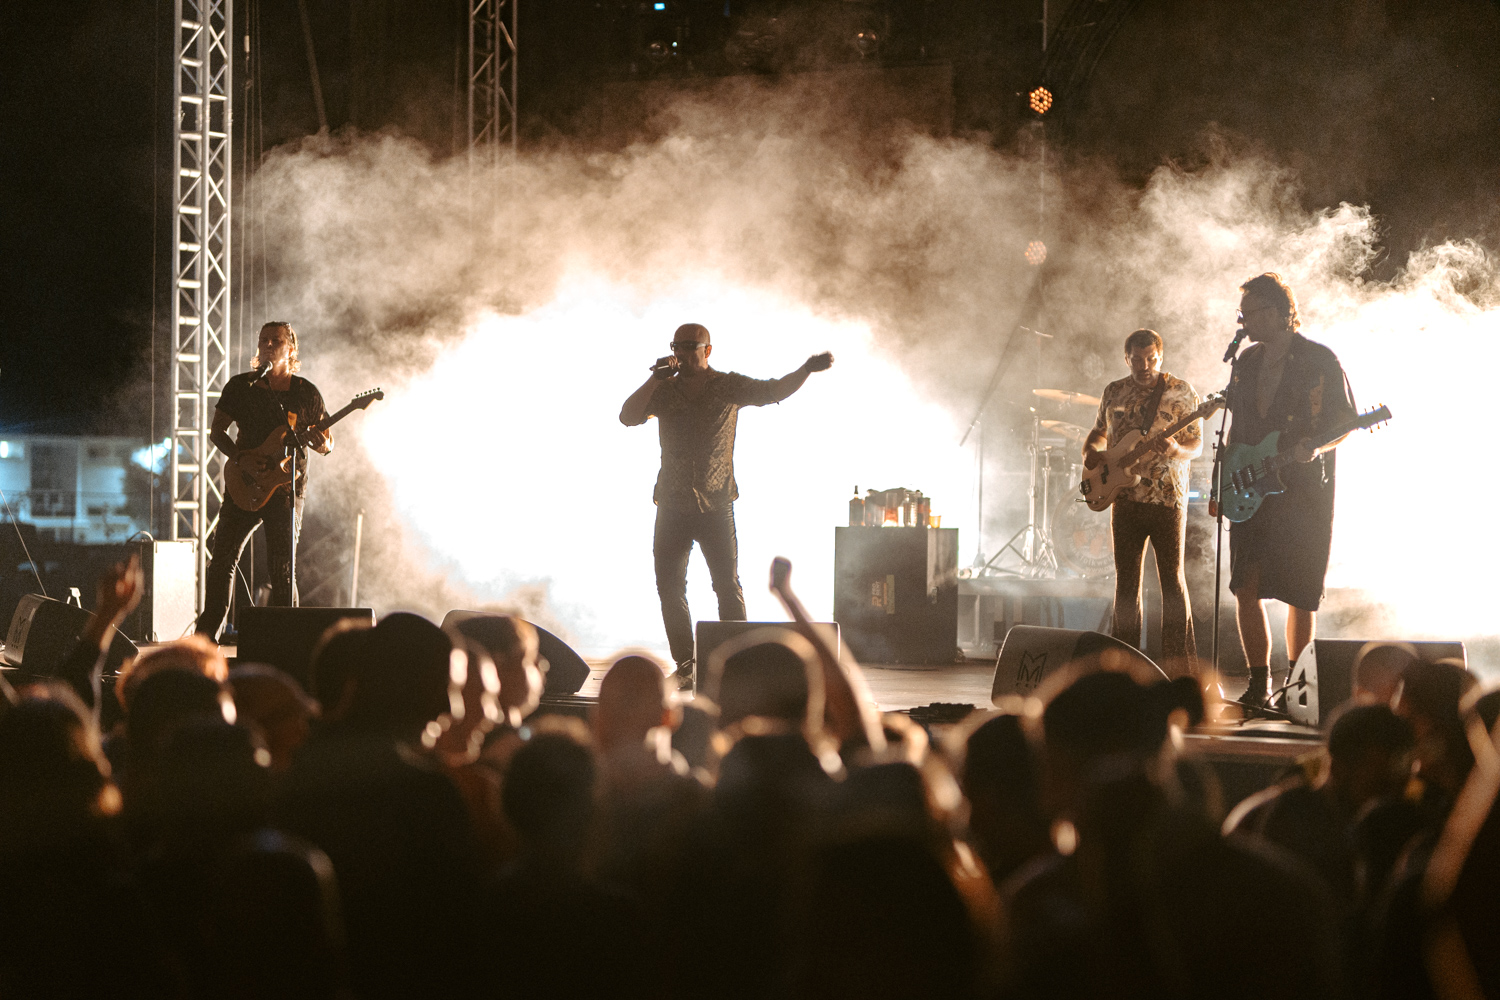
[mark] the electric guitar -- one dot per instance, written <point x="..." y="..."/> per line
<point x="1249" y="473"/>
<point x="1114" y="471"/>
<point x="250" y="489"/>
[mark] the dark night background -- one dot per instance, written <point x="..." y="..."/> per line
<point x="1392" y="104"/>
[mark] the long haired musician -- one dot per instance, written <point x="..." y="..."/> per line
<point x="267" y="401"/>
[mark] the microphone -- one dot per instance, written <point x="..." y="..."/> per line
<point x="261" y="372"/>
<point x="1234" y="345"/>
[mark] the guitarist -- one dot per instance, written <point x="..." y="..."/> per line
<point x="1287" y="383"/>
<point x="259" y="403"/>
<point x="1156" y="507"/>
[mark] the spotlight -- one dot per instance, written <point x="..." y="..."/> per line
<point x="1036" y="253"/>
<point x="1040" y="99"/>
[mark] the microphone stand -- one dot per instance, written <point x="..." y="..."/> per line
<point x="1216" y="507"/>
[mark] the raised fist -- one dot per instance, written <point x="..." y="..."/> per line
<point x="820" y="362"/>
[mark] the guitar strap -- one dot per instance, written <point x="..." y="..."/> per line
<point x="1152" y="403"/>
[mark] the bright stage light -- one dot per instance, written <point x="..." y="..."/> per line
<point x="564" y="497"/>
<point x="1036" y="253"/>
<point x="1040" y="99"/>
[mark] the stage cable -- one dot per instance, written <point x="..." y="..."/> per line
<point x="22" y="539"/>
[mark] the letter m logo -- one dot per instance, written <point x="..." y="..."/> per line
<point x="1029" y="673"/>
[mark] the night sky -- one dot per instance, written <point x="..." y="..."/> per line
<point x="1391" y="104"/>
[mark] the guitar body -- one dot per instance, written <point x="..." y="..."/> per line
<point x="1245" y="478"/>
<point x="1109" y="477"/>
<point x="251" y="491"/>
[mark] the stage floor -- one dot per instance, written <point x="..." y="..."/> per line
<point x="896" y="688"/>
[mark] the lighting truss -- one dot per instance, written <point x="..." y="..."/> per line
<point x="200" y="264"/>
<point x="492" y="79"/>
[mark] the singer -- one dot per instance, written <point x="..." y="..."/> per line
<point x="1155" y="509"/>
<point x="698" y="408"/>
<point x="261" y="403"/>
<point x="1286" y="383"/>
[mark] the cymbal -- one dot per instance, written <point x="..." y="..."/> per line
<point x="1067" y="430"/>
<point x="1064" y="396"/>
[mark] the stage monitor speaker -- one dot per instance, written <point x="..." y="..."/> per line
<point x="566" y="670"/>
<point x="1031" y="653"/>
<point x="1322" y="679"/>
<point x="713" y="634"/>
<point x="285" y="637"/>
<point x="44" y="631"/>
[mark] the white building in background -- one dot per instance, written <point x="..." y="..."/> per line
<point x="85" y="490"/>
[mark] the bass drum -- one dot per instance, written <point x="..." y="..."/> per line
<point x="1082" y="538"/>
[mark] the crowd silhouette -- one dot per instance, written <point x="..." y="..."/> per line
<point x="413" y="825"/>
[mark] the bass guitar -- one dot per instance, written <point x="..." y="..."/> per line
<point x="1115" y="469"/>
<point x="1251" y="472"/>
<point x="255" y="473"/>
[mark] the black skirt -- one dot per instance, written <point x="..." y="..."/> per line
<point x="1289" y="539"/>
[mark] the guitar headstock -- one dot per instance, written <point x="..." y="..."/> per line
<point x="1372" y="419"/>
<point x="367" y="397"/>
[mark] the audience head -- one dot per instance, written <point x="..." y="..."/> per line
<point x="474" y="701"/>
<point x="1103" y="715"/>
<point x="53" y="776"/>
<point x="273" y="705"/>
<point x="403" y="683"/>
<point x="1369" y="755"/>
<point x="512" y="644"/>
<point x="337" y="659"/>
<point x="1429" y="699"/>
<point x="1002" y="781"/>
<point x="633" y="700"/>
<point x="549" y="790"/>
<point x="1377" y="671"/>
<point x="769" y="673"/>
<point x="212" y="784"/>
<point x="161" y="703"/>
<point x="196" y="654"/>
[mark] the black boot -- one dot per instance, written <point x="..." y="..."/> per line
<point x="1259" y="688"/>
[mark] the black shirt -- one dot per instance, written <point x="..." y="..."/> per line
<point x="259" y="410"/>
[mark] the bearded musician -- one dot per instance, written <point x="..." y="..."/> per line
<point x="1155" y="509"/>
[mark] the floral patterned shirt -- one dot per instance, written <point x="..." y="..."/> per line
<point x="1121" y="410"/>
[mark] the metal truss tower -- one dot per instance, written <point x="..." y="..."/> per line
<point x="200" y="264"/>
<point x="492" y="79"/>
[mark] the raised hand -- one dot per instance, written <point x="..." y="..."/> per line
<point x="820" y="362"/>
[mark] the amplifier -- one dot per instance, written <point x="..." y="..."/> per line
<point x="895" y="593"/>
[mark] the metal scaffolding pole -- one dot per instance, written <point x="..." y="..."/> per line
<point x="492" y="79"/>
<point x="201" y="255"/>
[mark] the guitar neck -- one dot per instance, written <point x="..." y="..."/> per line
<point x="1186" y="421"/>
<point x="1359" y="422"/>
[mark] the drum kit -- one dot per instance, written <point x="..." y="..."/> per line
<point x="1060" y="527"/>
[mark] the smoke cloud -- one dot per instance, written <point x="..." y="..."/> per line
<point x="509" y="312"/>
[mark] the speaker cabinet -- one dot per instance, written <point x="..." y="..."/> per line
<point x="1322" y="679"/>
<point x="565" y="669"/>
<point x="895" y="593"/>
<point x="166" y="612"/>
<point x="44" y="631"/>
<point x="1031" y="653"/>
<point x="285" y="637"/>
<point x="712" y="634"/>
